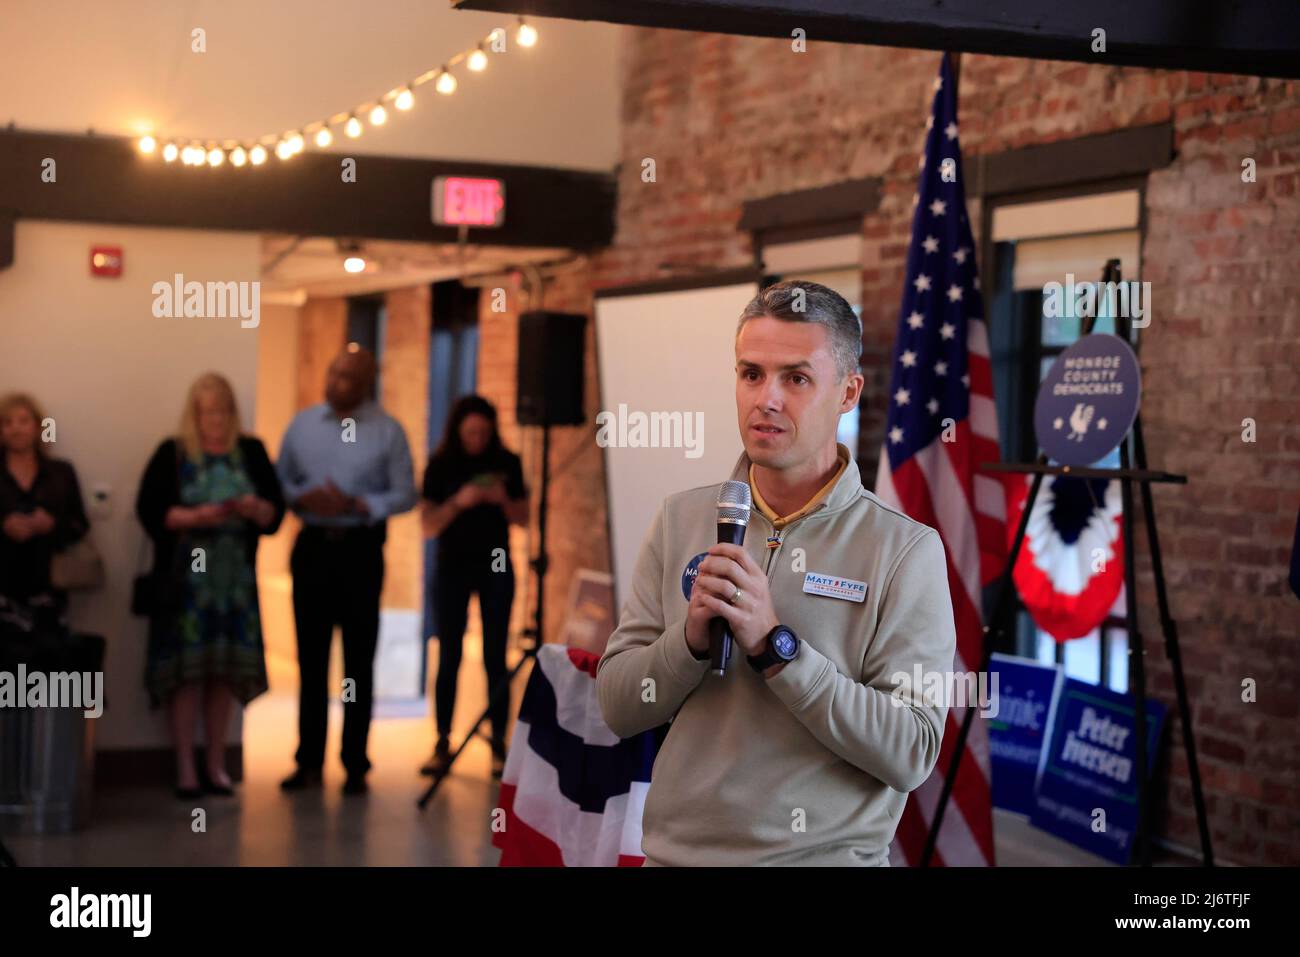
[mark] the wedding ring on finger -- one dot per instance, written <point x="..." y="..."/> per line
<point x="734" y="598"/>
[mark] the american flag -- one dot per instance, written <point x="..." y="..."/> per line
<point x="942" y="386"/>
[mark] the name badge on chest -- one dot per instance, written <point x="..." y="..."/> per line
<point x="832" y="586"/>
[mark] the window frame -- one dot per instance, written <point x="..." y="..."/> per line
<point x="1033" y="352"/>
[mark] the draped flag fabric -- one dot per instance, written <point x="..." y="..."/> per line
<point x="1071" y="565"/>
<point x="941" y="425"/>
<point x="572" y="790"/>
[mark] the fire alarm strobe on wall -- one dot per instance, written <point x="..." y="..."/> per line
<point x="106" y="261"/>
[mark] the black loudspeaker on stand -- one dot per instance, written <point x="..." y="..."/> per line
<point x="549" y="381"/>
<point x="1133" y="470"/>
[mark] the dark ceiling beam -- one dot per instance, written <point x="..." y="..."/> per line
<point x="106" y="180"/>
<point x="1252" y="37"/>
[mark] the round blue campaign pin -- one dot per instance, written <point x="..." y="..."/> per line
<point x="1088" y="400"/>
<point x="688" y="576"/>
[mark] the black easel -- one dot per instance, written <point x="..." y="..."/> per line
<point x="533" y="634"/>
<point x="1004" y="609"/>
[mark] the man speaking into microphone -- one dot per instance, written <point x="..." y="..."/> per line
<point x="803" y="750"/>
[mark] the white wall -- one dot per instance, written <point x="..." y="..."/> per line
<point x="113" y="377"/>
<point x="666" y="352"/>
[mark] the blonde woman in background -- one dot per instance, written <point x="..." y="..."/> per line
<point x="207" y="496"/>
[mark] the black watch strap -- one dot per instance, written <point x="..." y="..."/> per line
<point x="768" y="656"/>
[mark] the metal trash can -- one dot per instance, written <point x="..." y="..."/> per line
<point x="47" y="770"/>
<point x="47" y="754"/>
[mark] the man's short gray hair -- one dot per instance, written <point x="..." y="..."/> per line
<point x="798" y="300"/>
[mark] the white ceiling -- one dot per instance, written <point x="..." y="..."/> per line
<point x="126" y="67"/>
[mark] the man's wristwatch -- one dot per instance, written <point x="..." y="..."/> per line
<point x="782" y="646"/>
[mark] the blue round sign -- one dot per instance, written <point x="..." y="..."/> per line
<point x="1088" y="400"/>
<point x="688" y="576"/>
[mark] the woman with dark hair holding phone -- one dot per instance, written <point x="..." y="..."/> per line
<point x="473" y="491"/>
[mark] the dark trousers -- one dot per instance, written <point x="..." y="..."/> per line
<point x="337" y="577"/>
<point x="452" y="585"/>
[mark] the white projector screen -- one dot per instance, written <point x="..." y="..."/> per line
<point x="663" y="353"/>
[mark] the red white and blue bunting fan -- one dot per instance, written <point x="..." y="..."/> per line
<point x="1071" y="565"/>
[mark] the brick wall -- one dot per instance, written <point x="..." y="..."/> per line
<point x="404" y="383"/>
<point x="729" y="119"/>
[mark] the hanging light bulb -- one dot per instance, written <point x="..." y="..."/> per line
<point x="216" y="156"/>
<point x="238" y="157"/>
<point x="257" y="155"/>
<point x="526" y="36"/>
<point x="404" y="99"/>
<point x="295" y="144"/>
<point x="283" y="150"/>
<point x="170" y="152"/>
<point x="148" y="144"/>
<point x="354" y="264"/>
<point x="187" y="156"/>
<point x="324" y="137"/>
<point x="477" y="61"/>
<point x="353" y="127"/>
<point x="379" y="115"/>
<point x="445" y="84"/>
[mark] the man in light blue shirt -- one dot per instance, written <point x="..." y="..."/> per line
<point x="345" y="467"/>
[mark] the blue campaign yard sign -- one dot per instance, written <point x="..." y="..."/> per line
<point x="1026" y="695"/>
<point x="1087" y="789"/>
<point x="1087" y="402"/>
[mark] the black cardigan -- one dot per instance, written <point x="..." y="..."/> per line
<point x="25" y="566"/>
<point x="160" y="490"/>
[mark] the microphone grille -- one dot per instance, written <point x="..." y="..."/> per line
<point x="734" y="502"/>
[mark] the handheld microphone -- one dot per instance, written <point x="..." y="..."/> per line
<point x="734" y="503"/>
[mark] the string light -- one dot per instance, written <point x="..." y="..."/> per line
<point x="354" y="264"/>
<point x="290" y="144"/>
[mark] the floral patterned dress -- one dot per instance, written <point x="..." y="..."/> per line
<point x="215" y="631"/>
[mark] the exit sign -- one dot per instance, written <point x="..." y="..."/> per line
<point x="464" y="201"/>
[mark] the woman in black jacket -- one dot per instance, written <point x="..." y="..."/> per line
<point x="206" y="498"/>
<point x="41" y="511"/>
